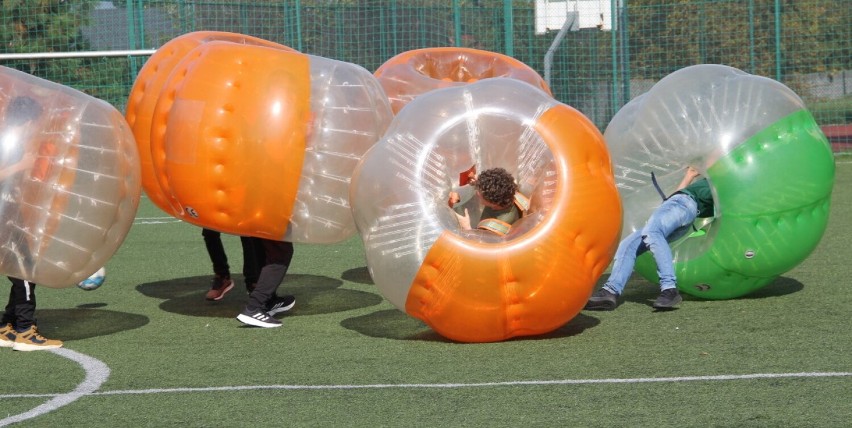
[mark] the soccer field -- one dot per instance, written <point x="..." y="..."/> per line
<point x="146" y="349"/>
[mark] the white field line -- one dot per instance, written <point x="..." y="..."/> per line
<point x="96" y="374"/>
<point x="730" y="377"/>
<point x="155" y="220"/>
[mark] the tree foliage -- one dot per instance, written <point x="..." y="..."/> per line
<point x="667" y="35"/>
<point x="28" y="26"/>
<point x="651" y="39"/>
<point x="39" y="26"/>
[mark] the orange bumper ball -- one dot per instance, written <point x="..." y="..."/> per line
<point x="415" y="72"/>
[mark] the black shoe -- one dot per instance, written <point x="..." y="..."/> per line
<point x="258" y="319"/>
<point x="668" y="299"/>
<point x="278" y="304"/>
<point x="602" y="300"/>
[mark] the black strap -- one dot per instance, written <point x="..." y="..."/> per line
<point x="657" y="186"/>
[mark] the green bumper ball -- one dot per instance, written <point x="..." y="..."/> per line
<point x="772" y="195"/>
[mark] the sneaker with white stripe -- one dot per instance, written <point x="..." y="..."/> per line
<point x="258" y="318"/>
<point x="280" y="304"/>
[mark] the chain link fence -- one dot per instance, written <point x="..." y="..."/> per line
<point x="614" y="51"/>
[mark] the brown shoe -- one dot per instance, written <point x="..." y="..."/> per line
<point x="219" y="287"/>
<point x="7" y="336"/>
<point x="31" y="340"/>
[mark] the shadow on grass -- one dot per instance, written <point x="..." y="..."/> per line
<point x="84" y="322"/>
<point x="780" y="287"/>
<point x="314" y="295"/>
<point x="645" y="292"/>
<point x="394" y="324"/>
<point x="360" y="275"/>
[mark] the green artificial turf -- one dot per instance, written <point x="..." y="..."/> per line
<point x="346" y="357"/>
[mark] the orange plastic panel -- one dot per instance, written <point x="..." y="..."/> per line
<point x="412" y="73"/>
<point x="147" y="90"/>
<point x="228" y="137"/>
<point x="481" y="292"/>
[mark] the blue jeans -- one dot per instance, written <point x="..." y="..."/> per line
<point x="670" y="221"/>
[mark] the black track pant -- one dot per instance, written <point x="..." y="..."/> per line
<point x="253" y="257"/>
<point x="20" y="311"/>
<point x="278" y="256"/>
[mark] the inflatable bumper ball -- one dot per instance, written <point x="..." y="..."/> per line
<point x="252" y="138"/>
<point x="418" y="71"/>
<point x="770" y="167"/>
<point x="473" y="285"/>
<point x="70" y="181"/>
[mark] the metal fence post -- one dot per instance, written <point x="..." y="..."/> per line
<point x="751" y="36"/>
<point x="457" y="29"/>
<point x="778" y="40"/>
<point x="508" y="27"/>
<point x="625" y="56"/>
<point x="298" y="8"/>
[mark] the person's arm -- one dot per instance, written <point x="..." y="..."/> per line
<point x="453" y="199"/>
<point x="690" y="174"/>
<point x="461" y="195"/>
<point x="464" y="220"/>
<point x="26" y="162"/>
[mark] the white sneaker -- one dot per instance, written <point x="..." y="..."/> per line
<point x="258" y="319"/>
<point x="280" y="304"/>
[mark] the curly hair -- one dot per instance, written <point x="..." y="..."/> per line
<point x="497" y="186"/>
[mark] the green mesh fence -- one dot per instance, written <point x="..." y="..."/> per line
<point x="806" y="44"/>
